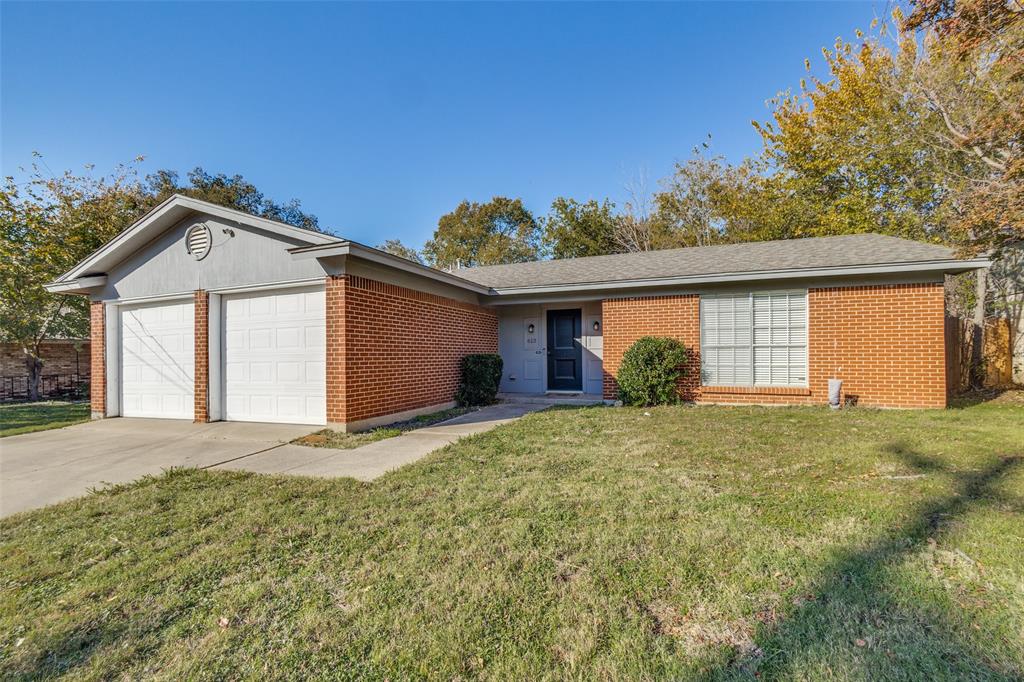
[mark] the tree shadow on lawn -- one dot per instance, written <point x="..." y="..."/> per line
<point x="853" y="619"/>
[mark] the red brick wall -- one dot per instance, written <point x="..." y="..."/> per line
<point x="98" y="361"/>
<point x="336" y="349"/>
<point x="885" y="342"/>
<point x="59" y="357"/>
<point x="392" y="349"/>
<point x="202" y="357"/>
<point x="626" y="320"/>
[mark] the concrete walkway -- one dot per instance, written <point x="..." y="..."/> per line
<point x="370" y="461"/>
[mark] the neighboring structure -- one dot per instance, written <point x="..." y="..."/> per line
<point x="65" y="368"/>
<point x="206" y="313"/>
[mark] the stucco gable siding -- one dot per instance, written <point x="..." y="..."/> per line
<point x="251" y="257"/>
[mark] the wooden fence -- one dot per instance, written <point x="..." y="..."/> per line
<point x="997" y="357"/>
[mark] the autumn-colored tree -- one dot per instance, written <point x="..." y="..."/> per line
<point x="499" y="231"/>
<point x="845" y="152"/>
<point x="972" y="76"/>
<point x="573" y="229"/>
<point x="48" y="224"/>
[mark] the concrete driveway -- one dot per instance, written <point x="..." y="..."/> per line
<point x="38" y="469"/>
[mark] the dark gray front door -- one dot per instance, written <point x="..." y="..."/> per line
<point x="565" y="353"/>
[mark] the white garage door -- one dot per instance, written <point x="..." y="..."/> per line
<point x="275" y="368"/>
<point x="158" y="360"/>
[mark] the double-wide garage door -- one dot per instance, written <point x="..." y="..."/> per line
<point x="272" y="354"/>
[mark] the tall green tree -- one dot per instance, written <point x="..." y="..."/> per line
<point x="574" y="230"/>
<point x="499" y="231"/>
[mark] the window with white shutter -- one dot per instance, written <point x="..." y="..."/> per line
<point x="754" y="339"/>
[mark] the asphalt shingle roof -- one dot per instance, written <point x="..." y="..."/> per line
<point x="816" y="252"/>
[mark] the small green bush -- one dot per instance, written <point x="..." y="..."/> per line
<point x="649" y="371"/>
<point x="481" y="374"/>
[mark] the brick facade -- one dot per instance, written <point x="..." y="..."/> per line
<point x="885" y="342"/>
<point x="391" y="349"/>
<point x="98" y="361"/>
<point x="202" y="357"/>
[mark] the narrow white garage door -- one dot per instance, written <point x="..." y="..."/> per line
<point x="158" y="360"/>
<point x="275" y="367"/>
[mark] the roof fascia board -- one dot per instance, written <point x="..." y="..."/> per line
<point x="141" y="227"/>
<point x="76" y="285"/>
<point x="923" y="266"/>
<point x="350" y="248"/>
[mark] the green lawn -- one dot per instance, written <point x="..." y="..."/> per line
<point x="18" y="418"/>
<point x="329" y="438"/>
<point x="594" y="543"/>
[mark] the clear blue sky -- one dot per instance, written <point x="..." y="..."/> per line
<point x="382" y="117"/>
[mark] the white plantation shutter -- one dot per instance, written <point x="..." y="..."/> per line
<point x="725" y="339"/>
<point x="754" y="339"/>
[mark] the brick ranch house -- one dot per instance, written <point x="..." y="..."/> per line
<point x="205" y="313"/>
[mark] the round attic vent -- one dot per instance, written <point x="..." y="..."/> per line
<point x="198" y="240"/>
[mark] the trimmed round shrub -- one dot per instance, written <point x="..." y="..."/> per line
<point x="650" y="370"/>
<point x="481" y="375"/>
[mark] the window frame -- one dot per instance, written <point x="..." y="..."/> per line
<point x="750" y="294"/>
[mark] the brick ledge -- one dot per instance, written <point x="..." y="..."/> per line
<point x="754" y="390"/>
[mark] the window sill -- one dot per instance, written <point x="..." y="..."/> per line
<point x="755" y="390"/>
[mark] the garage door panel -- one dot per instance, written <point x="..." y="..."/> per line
<point x="157" y="360"/>
<point x="316" y="368"/>
<point x="259" y="339"/>
<point x="234" y="340"/>
<point x="274" y="347"/>
<point x="316" y="337"/>
<point x="290" y="303"/>
<point x="260" y="372"/>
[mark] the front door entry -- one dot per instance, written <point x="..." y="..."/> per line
<point x="565" y="350"/>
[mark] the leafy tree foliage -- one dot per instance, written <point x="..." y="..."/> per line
<point x="573" y="229"/>
<point x="691" y="208"/>
<point x="232" y="191"/>
<point x="396" y="248"/>
<point x="846" y="155"/>
<point x="499" y="231"/>
<point x="49" y="224"/>
<point x="972" y="77"/>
